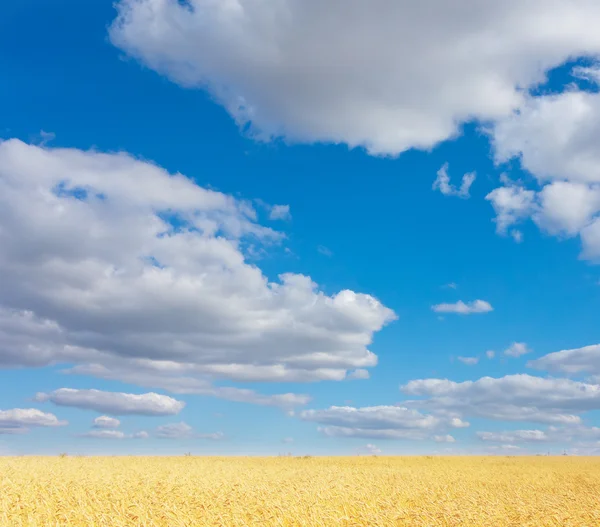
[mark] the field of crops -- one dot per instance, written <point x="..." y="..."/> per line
<point x="359" y="491"/>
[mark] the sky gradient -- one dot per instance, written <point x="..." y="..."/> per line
<point x="250" y="227"/>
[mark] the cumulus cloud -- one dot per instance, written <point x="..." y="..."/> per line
<point x="516" y="349"/>
<point x="114" y="403"/>
<point x="20" y="420"/>
<point x="515" y="398"/>
<point x="572" y="361"/>
<point x="352" y="71"/>
<point x="490" y="354"/>
<point x="442" y="183"/>
<point x="377" y="422"/>
<point x="142" y="434"/>
<point x="511" y="204"/>
<point x="462" y="308"/>
<point x="553" y="138"/>
<point x="106" y="422"/>
<point x="113" y="265"/>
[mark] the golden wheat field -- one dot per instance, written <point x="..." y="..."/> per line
<point x="358" y="491"/>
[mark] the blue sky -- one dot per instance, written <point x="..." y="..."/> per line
<point x="304" y="157"/>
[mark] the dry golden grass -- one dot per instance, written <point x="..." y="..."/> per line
<point x="359" y="491"/>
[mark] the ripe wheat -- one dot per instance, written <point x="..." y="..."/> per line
<point x="360" y="491"/>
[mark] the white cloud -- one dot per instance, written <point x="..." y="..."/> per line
<point x="515" y="398"/>
<point x="516" y="349"/>
<point x="168" y="376"/>
<point x="280" y="212"/>
<point x="566" y="208"/>
<point x="456" y="422"/>
<point x="19" y="420"/>
<point x="104" y="434"/>
<point x="106" y="422"/>
<point x="451" y="285"/>
<point x="142" y="434"/>
<point x="578" y="436"/>
<point x="553" y="136"/>
<point x="114" y="403"/>
<point x="511" y="204"/>
<point x="377" y="422"/>
<point x="442" y="183"/>
<point x="514" y="436"/>
<point x="462" y="308"/>
<point x="469" y="361"/>
<point x="490" y="354"/>
<point x="96" y="273"/>
<point x="287" y="440"/>
<point x="174" y="431"/>
<point x="352" y="71"/>
<point x="579" y="360"/>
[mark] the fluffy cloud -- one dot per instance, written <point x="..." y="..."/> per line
<point x="510" y="398"/>
<point x="553" y="136"/>
<point x="442" y="183"/>
<point x="490" y="354"/>
<point x="106" y="422"/>
<point x="352" y="71"/>
<point x="114" y="403"/>
<point x="516" y="349"/>
<point x="20" y="420"/>
<point x="580" y="360"/>
<point x="462" y="308"/>
<point x="511" y="204"/>
<point x="377" y="422"/>
<point x="113" y="265"/>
